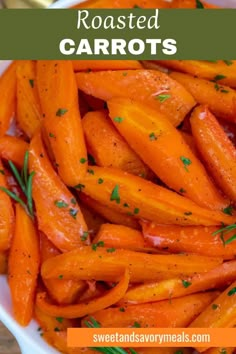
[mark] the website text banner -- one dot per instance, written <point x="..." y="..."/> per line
<point x="151" y="337"/>
<point x="118" y="34"/>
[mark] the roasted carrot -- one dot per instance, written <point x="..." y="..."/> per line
<point x="64" y="225"/>
<point x="189" y="140"/>
<point x="97" y="65"/>
<point x="23" y="266"/>
<point x="13" y="149"/>
<point x="218" y="277"/>
<point x="29" y="114"/>
<point x="109" y="214"/>
<point x="104" y="4"/>
<point x="174" y="313"/>
<point x="220" y="99"/>
<point x="135" y="196"/>
<point x="216" y="149"/>
<point x="59" y="100"/>
<point x="3" y="263"/>
<point x="164" y="150"/>
<point x="6" y="214"/>
<point x="108" y="147"/>
<point x="154" y="88"/>
<point x="190" y="239"/>
<point x="79" y="310"/>
<point x="96" y="263"/>
<point x="8" y="97"/>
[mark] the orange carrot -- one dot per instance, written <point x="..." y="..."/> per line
<point x="13" y="149"/>
<point x="216" y="149"/>
<point x="218" y="277"/>
<point x="64" y="225"/>
<point x="82" y="309"/>
<point x="104" y="4"/>
<point x="29" y="113"/>
<point x="190" y="239"/>
<point x="220" y="351"/>
<point x="164" y="150"/>
<point x="23" y="267"/>
<point x="154" y="88"/>
<point x="8" y="97"/>
<point x="189" y="140"/>
<point x="97" y="65"/>
<point x="96" y="263"/>
<point x="59" y="100"/>
<point x="108" y="147"/>
<point x="220" y="99"/>
<point x="3" y="263"/>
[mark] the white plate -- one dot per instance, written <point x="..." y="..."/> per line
<point x="28" y="337"/>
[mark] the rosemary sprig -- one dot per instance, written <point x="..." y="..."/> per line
<point x="25" y="182"/>
<point x="92" y="323"/>
<point x="224" y="231"/>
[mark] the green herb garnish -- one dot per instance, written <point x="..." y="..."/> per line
<point x="152" y="136"/>
<point x="111" y="250"/>
<point x="199" y="4"/>
<point x="51" y="135"/>
<point x="186" y="161"/>
<point x="84" y="236"/>
<point x="100" y="181"/>
<point x="82" y="160"/>
<point x="186" y="283"/>
<point x="118" y="119"/>
<point x="79" y="186"/>
<point x="214" y="306"/>
<point x="228" y="210"/>
<point x="228" y="62"/>
<point x="115" y="194"/>
<point x="219" y="77"/>
<point x="31" y="82"/>
<point x="136" y="325"/>
<point x="59" y="319"/>
<point x="136" y="211"/>
<point x="73" y="213"/>
<point x="61" y="111"/>
<point x="162" y="97"/>
<point x="61" y="204"/>
<point x="96" y="245"/>
<point x="224" y="231"/>
<point x="232" y="292"/>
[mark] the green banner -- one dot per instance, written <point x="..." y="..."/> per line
<point x="118" y="34"/>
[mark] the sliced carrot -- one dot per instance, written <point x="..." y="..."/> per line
<point x="108" y="147"/>
<point x="97" y="65"/>
<point x="218" y="277"/>
<point x="154" y="88"/>
<point x="23" y="267"/>
<point x="82" y="309"/>
<point x="220" y="99"/>
<point x="8" y="97"/>
<point x="216" y="149"/>
<point x="190" y="239"/>
<point x="164" y="150"/>
<point x="96" y="263"/>
<point x="59" y="100"/>
<point x="13" y="149"/>
<point x="6" y="214"/>
<point x="3" y="263"/>
<point x="175" y="313"/>
<point x="29" y="114"/>
<point x="64" y="225"/>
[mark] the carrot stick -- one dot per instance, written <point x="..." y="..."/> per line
<point x="220" y="99"/>
<point x="108" y="147"/>
<point x="29" y="114"/>
<point x="82" y="309"/>
<point x="97" y="65"/>
<point x="6" y="214"/>
<point x="13" y="149"/>
<point x="154" y="88"/>
<point x="175" y="313"/>
<point x="139" y="198"/>
<point x="164" y="150"/>
<point x="59" y="100"/>
<point x="64" y="225"/>
<point x="218" y="277"/>
<point x="216" y="149"/>
<point x="8" y="97"/>
<point x="23" y="267"/>
<point x="3" y="263"/>
<point x="96" y="263"/>
<point x="190" y="239"/>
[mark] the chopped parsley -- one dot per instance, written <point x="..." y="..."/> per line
<point x="136" y="7"/>
<point x="73" y="201"/>
<point x="122" y="309"/>
<point x="83" y="160"/>
<point x="115" y="194"/>
<point x="60" y="276"/>
<point x="56" y="329"/>
<point x="84" y="237"/>
<point x="179" y="352"/>
<point x="96" y="245"/>
<point x="118" y="119"/>
<point x="232" y="292"/>
<point x="136" y="325"/>
<point x="125" y="74"/>
<point x="100" y="181"/>
<point x="126" y="205"/>
<point x="91" y="171"/>
<point x="199" y="4"/>
<point x="60" y="204"/>
<point x="31" y="82"/>
<point x="59" y="319"/>
<point x="182" y="190"/>
<point x="152" y="136"/>
<point x="51" y="135"/>
<point x="111" y="250"/>
<point x="186" y="283"/>
<point x="61" y="111"/>
<point x="228" y="62"/>
<point x="219" y="77"/>
<point x="186" y="161"/>
<point x="136" y="211"/>
<point x="214" y="306"/>
<point x="228" y="210"/>
<point x="162" y="97"/>
<point x="79" y="186"/>
<point x="73" y="213"/>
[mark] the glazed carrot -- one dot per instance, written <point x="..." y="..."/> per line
<point x="223" y="71"/>
<point x="220" y="351"/>
<point x="3" y="263"/>
<point x="96" y="263"/>
<point x="23" y="266"/>
<point x="13" y="149"/>
<point x="29" y="114"/>
<point x="8" y="97"/>
<point x="108" y="147"/>
<point x="6" y="214"/>
<point x="120" y="236"/>
<point x="218" y="277"/>
<point x="103" y="4"/>
<point x="164" y="150"/>
<point x="220" y="99"/>
<point x="59" y="100"/>
<point x="190" y="239"/>
<point x="79" y="310"/>
<point x="175" y="313"/>
<point x="97" y="65"/>
<point x="64" y="225"/>
<point x="189" y="140"/>
<point x="109" y="214"/>
<point x="216" y="149"/>
<point x="154" y="88"/>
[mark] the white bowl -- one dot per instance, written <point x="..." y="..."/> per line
<point x="28" y="338"/>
